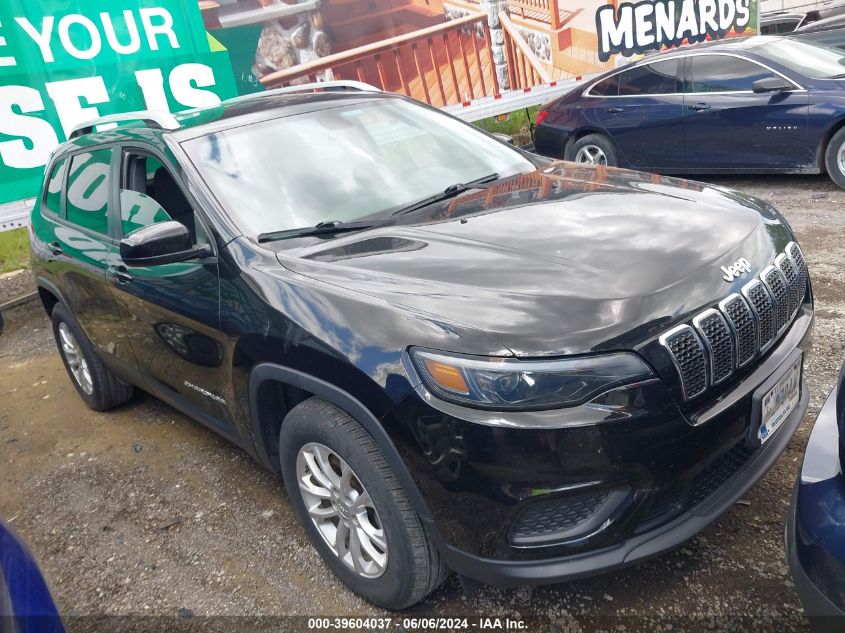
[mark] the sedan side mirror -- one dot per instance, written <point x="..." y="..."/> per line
<point x="156" y="244"/>
<point x="772" y="84"/>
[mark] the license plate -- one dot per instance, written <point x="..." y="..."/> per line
<point x="779" y="402"/>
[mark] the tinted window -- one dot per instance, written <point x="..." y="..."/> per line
<point x="53" y="195"/>
<point x="138" y="207"/>
<point x="722" y="73"/>
<point x="609" y="86"/>
<point x="650" y="79"/>
<point x="88" y="190"/>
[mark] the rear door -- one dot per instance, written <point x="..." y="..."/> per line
<point x="728" y="126"/>
<point x="75" y="230"/>
<point x="642" y="110"/>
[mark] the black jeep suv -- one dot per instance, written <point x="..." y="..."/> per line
<point x="459" y="356"/>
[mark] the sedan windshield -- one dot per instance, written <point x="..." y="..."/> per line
<point x="810" y="59"/>
<point x="345" y="164"/>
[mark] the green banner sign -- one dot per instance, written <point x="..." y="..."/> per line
<point x="64" y="62"/>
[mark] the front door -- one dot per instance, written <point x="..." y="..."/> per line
<point x="171" y="311"/>
<point x="729" y="126"/>
<point x="642" y="110"/>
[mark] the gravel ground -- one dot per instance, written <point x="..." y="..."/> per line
<point x="15" y="284"/>
<point x="142" y="512"/>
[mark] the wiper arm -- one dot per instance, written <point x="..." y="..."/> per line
<point x="449" y="192"/>
<point x="321" y="228"/>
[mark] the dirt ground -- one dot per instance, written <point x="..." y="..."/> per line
<point x="143" y="512"/>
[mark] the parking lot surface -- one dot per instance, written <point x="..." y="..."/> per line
<point x="141" y="511"/>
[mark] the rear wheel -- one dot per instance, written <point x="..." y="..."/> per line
<point x="834" y="158"/>
<point x="353" y="508"/>
<point x="98" y="387"/>
<point x="593" y="149"/>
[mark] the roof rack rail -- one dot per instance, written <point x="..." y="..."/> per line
<point x="329" y="86"/>
<point x="153" y="118"/>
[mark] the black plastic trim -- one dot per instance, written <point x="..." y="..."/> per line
<point x="325" y="390"/>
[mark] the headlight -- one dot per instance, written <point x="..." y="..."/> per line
<point x="499" y="383"/>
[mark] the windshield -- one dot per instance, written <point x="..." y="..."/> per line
<point x="810" y="59"/>
<point x="346" y="164"/>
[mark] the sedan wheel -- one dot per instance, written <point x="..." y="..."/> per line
<point x="342" y="510"/>
<point x="591" y="154"/>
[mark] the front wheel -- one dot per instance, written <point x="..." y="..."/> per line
<point x="593" y="149"/>
<point x="834" y="158"/>
<point x="353" y="508"/>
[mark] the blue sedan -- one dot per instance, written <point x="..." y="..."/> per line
<point x="815" y="526"/>
<point x="746" y="105"/>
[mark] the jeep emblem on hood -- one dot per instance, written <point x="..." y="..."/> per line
<point x="737" y="269"/>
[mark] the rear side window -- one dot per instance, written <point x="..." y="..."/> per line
<point x="651" y="79"/>
<point x="53" y="194"/>
<point x="722" y="73"/>
<point x="88" y="185"/>
<point x="606" y="87"/>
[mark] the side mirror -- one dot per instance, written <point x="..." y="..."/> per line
<point x="156" y="244"/>
<point x="772" y="84"/>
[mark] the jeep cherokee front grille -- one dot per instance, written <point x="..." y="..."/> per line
<point x="743" y="327"/>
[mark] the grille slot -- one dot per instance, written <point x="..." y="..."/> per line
<point x="793" y="251"/>
<point x="793" y="281"/>
<point x="688" y="355"/>
<point x="717" y="337"/>
<point x="744" y="326"/>
<point x="764" y="311"/>
<point x="776" y="285"/>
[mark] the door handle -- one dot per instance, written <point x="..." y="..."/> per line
<point x="120" y="273"/>
<point x="698" y="107"/>
<point x="55" y="248"/>
<point x="615" y="110"/>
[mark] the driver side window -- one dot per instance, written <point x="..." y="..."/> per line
<point x="149" y="194"/>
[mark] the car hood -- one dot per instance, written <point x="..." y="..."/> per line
<point x="567" y="259"/>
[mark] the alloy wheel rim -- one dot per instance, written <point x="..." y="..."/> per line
<point x="840" y="159"/>
<point x="591" y="155"/>
<point x="75" y="359"/>
<point x="342" y="510"/>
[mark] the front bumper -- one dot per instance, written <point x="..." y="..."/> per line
<point x="815" y="525"/>
<point x="669" y="478"/>
<point x="636" y="548"/>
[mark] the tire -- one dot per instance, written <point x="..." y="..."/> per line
<point x="411" y="567"/>
<point x="97" y="386"/>
<point x="834" y="158"/>
<point x="597" y="145"/>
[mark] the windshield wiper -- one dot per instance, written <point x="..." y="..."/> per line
<point x="449" y="192"/>
<point x="321" y="228"/>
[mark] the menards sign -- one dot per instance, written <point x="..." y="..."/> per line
<point x="59" y="68"/>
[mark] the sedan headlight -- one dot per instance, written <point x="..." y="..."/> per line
<point x="506" y="383"/>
